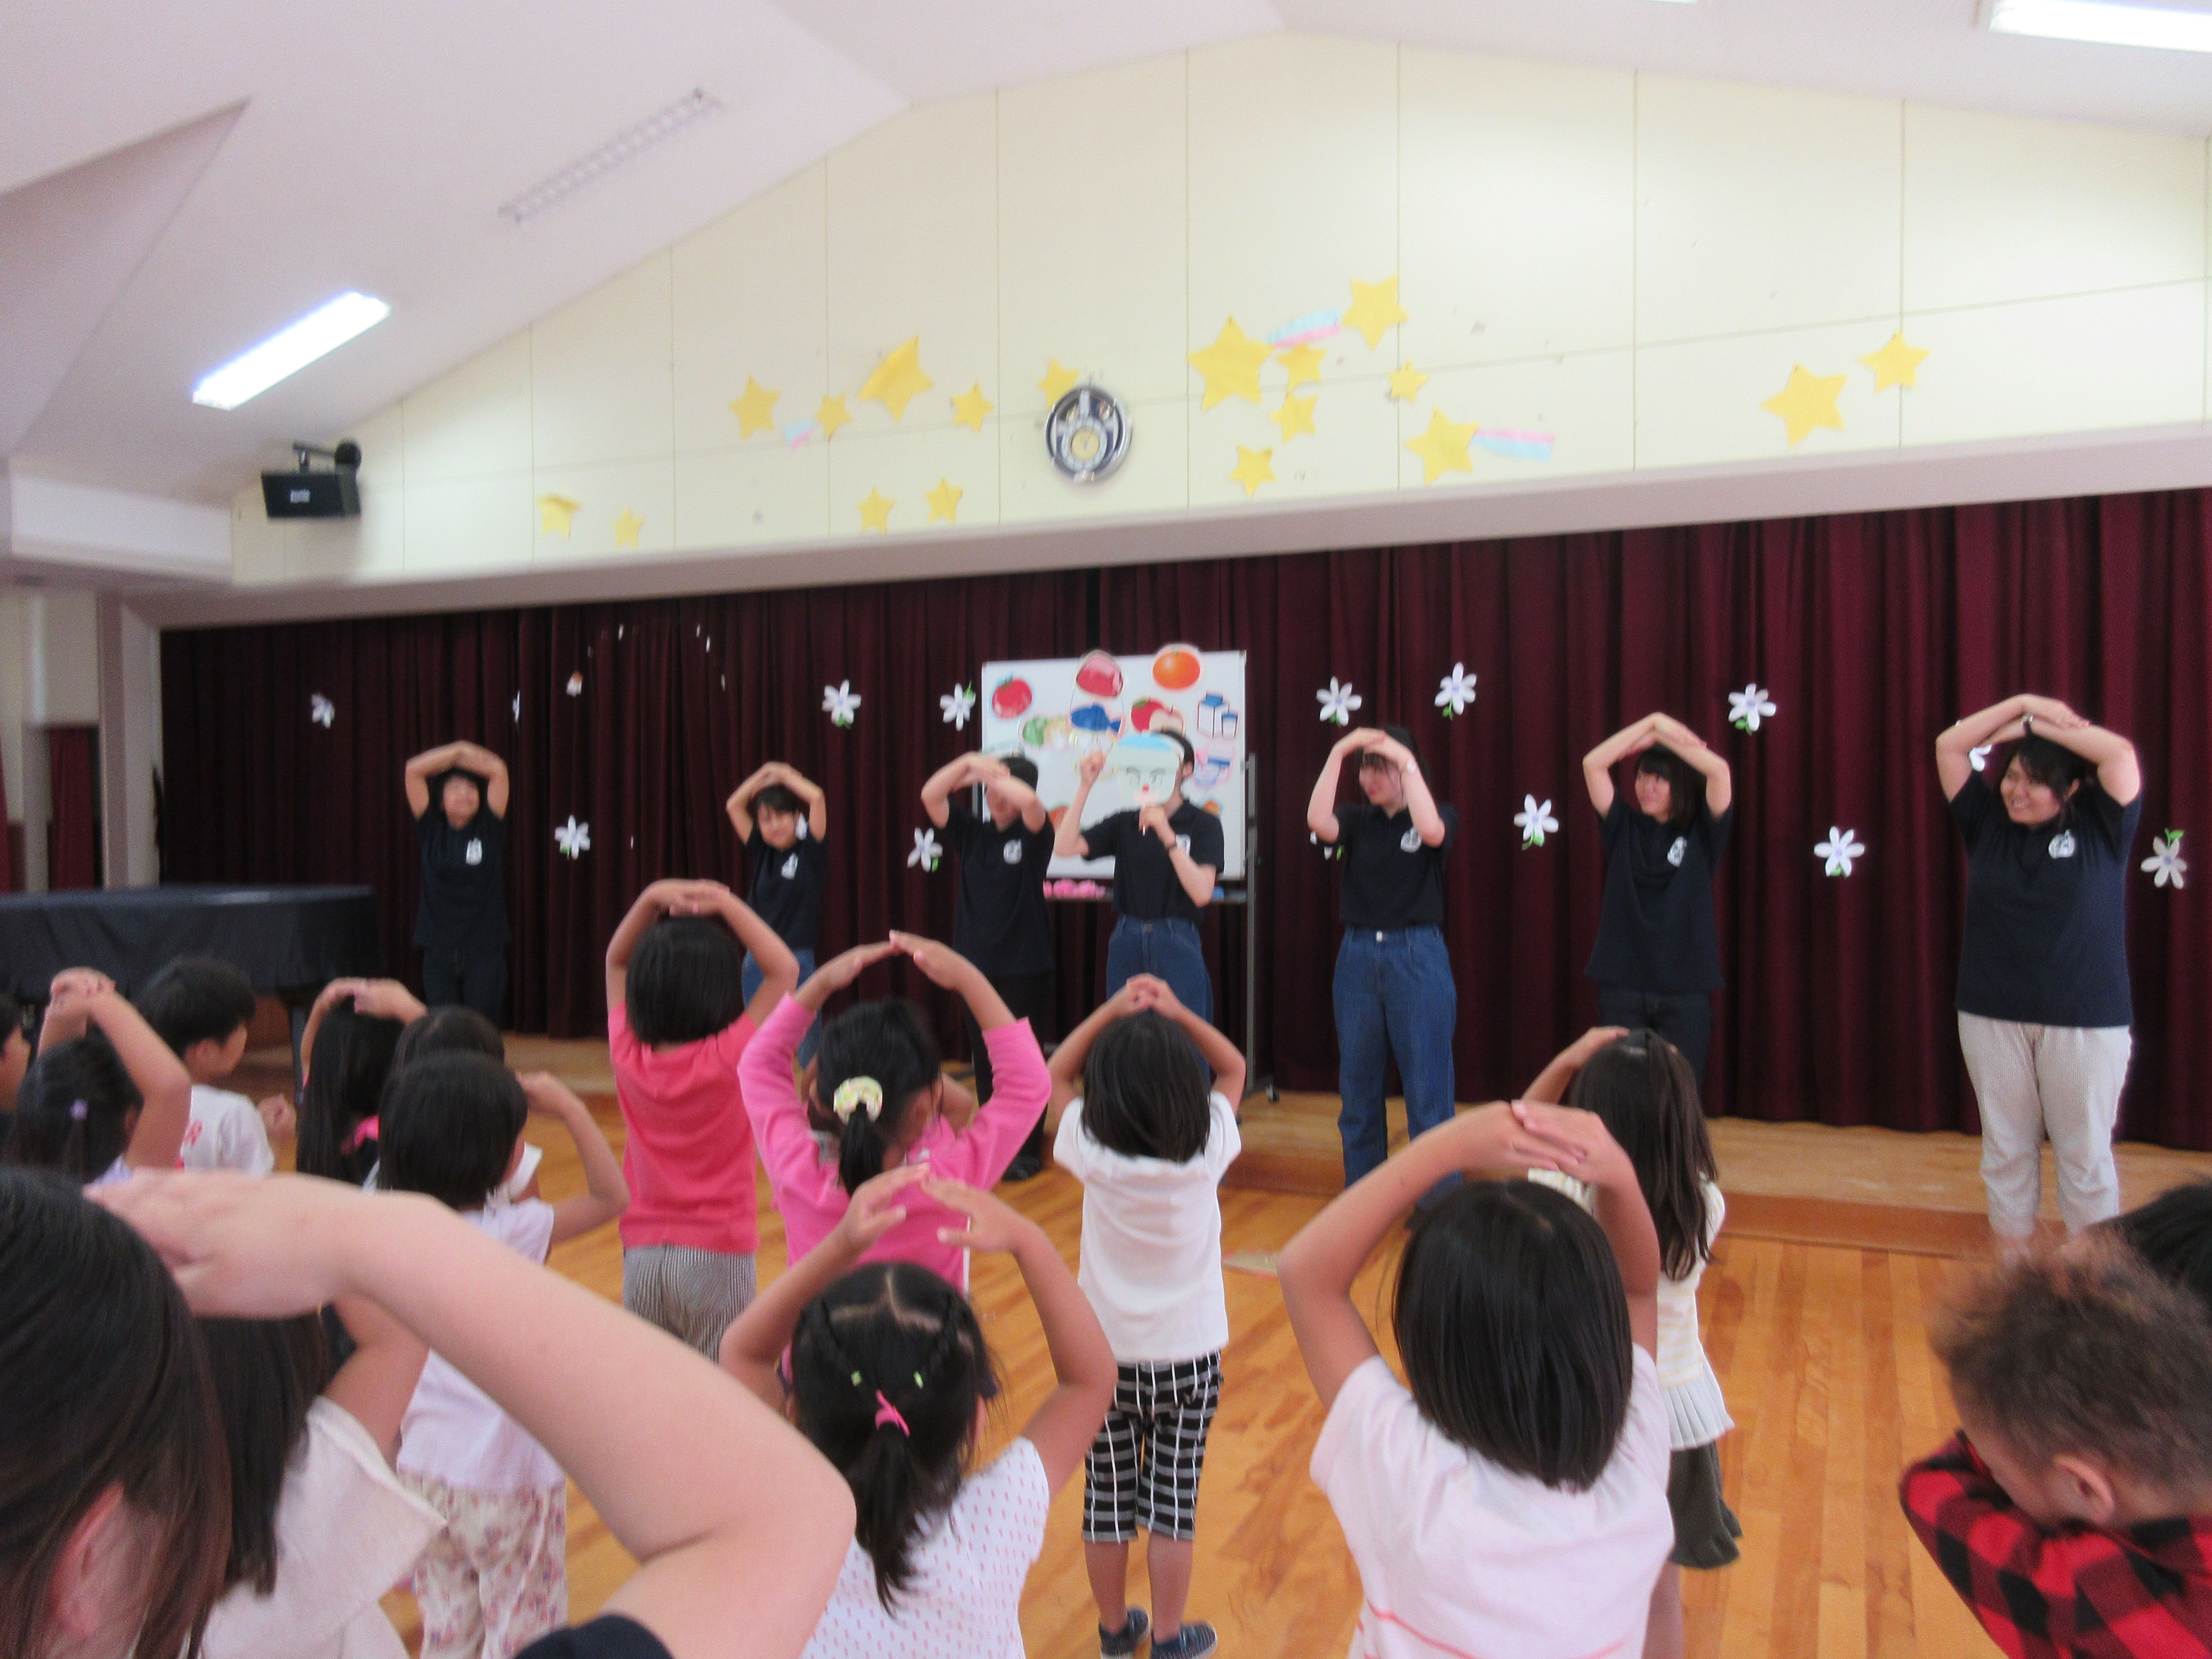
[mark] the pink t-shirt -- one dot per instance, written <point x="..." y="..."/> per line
<point x="1458" y="1556"/>
<point x="805" y="1184"/>
<point x="689" y="1157"/>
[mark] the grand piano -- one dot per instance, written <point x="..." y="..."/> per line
<point x="290" y="941"/>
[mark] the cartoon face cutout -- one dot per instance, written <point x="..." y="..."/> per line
<point x="1149" y="766"/>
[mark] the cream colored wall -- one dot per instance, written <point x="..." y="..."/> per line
<point x="1633" y="264"/>
<point x="49" y="676"/>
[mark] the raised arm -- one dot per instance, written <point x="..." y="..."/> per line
<point x="1196" y="879"/>
<point x="2000" y="722"/>
<point x="1317" y="1267"/>
<point x="657" y="900"/>
<point x="605" y="1194"/>
<point x="1551" y="1084"/>
<point x="1598" y="764"/>
<point x="1582" y="1147"/>
<point x="937" y="792"/>
<point x="778" y="967"/>
<point x="1063" y="1427"/>
<point x="1067" y="841"/>
<point x="1321" y="805"/>
<point x="1222" y="1057"/>
<point x="756" y="1340"/>
<point x="946" y="967"/>
<point x="740" y="804"/>
<point x="1066" y="1066"/>
<point x="376" y="1384"/>
<point x="1420" y="805"/>
<point x="1024" y="797"/>
<point x="426" y="766"/>
<point x="817" y="804"/>
<point x="1720" y="782"/>
<point x="380" y="999"/>
<point x="739" y="1527"/>
<point x="475" y="758"/>
<point x="2119" y="775"/>
<point x="159" y="1075"/>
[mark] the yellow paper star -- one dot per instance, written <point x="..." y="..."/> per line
<point x="969" y="408"/>
<point x="1059" y="380"/>
<point x="1295" y="415"/>
<point x="1231" y="365"/>
<point x="1303" y="362"/>
<point x="1374" y="309"/>
<point x="1443" y="447"/>
<point x="897" y="379"/>
<point x="876" y="511"/>
<point x="627" y="525"/>
<point x="945" y="501"/>
<point x="1808" y="401"/>
<point x="553" y="513"/>
<point x="1254" y="468"/>
<point x="756" y="410"/>
<point x="1895" y="364"/>
<point x="832" y="414"/>
<point x="1407" y="382"/>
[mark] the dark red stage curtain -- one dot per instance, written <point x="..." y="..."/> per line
<point x="73" y="831"/>
<point x="1870" y="632"/>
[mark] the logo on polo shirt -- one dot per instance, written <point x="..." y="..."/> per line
<point x="1183" y="842"/>
<point x="1678" y="851"/>
<point x="1011" y="852"/>
<point x="791" y="866"/>
<point x="2061" y="844"/>
<point x="1411" y="841"/>
<point x="473" y="853"/>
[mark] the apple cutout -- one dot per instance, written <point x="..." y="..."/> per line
<point x="1010" y="699"/>
<point x="1099" y="675"/>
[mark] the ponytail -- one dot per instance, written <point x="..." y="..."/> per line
<point x="887" y="1366"/>
<point x="878" y="1060"/>
<point x="74" y="1108"/>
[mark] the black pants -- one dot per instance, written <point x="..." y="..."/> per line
<point x="1031" y="998"/>
<point x="1685" y="1021"/>
<point x="475" y="979"/>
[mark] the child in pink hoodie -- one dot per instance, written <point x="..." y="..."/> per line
<point x="877" y="1099"/>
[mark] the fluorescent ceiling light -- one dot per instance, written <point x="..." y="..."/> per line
<point x="290" y="349"/>
<point x="632" y="141"/>
<point x="2104" y="24"/>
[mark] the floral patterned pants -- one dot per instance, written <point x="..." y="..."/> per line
<point x="497" y="1578"/>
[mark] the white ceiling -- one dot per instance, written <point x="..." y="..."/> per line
<point x="374" y="148"/>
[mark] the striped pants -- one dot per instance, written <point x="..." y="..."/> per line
<point x="1143" y="1468"/>
<point x="693" y="1294"/>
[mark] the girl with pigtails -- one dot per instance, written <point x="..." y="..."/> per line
<point x="875" y="1099"/>
<point x="888" y="1374"/>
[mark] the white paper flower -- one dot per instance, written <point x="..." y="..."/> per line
<point x="1979" y="758"/>
<point x="574" y="839"/>
<point x="321" y="710"/>
<point x="1748" y="706"/>
<point x="840" y="702"/>
<point x="959" y="704"/>
<point x="2166" y="863"/>
<point x="1338" y="702"/>
<point x="1841" y="847"/>
<point x="576" y="682"/>
<point x="1535" y="822"/>
<point x="518" y="709"/>
<point x="926" y="852"/>
<point x="1455" y="690"/>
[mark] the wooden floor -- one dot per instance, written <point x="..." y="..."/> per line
<point x="1821" y="1347"/>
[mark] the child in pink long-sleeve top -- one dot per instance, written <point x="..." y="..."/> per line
<point x="878" y="1096"/>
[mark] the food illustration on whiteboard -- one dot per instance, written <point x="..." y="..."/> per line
<point x="1099" y="675"/>
<point x="1177" y="667"/>
<point x="1214" y="764"/>
<point x="1146" y="767"/>
<point x="1011" y="698"/>
<point x="1095" y="721"/>
<point x="1216" y="719"/>
<point x="1150" y="715"/>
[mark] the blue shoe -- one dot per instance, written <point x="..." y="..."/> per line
<point x="1193" y="1641"/>
<point x="1124" y="1642"/>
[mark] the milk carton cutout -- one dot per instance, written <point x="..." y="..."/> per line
<point x="1147" y="767"/>
<point x="1210" y="708"/>
<point x="473" y="853"/>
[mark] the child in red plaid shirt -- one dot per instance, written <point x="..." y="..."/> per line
<point x="2074" y="1508"/>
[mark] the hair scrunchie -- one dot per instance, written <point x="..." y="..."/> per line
<point x="855" y="1093"/>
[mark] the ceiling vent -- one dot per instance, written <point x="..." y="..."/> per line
<point x="625" y="146"/>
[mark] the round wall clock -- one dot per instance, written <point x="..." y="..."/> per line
<point x="1087" y="434"/>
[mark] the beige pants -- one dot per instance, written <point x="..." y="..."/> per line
<point x="2031" y="1080"/>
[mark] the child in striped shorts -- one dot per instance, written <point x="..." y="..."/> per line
<point x="1149" y="1138"/>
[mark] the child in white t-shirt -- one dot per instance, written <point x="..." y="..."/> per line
<point x="202" y="1008"/>
<point x="1511" y="1496"/>
<point x="888" y="1374"/>
<point x="497" y="1577"/>
<point x="1149" y="1138"/>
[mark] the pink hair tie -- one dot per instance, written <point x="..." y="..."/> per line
<point x="887" y="1413"/>
<point x="367" y="1129"/>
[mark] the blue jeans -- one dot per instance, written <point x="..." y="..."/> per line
<point x="1685" y="1021"/>
<point x="1167" y="950"/>
<point x="1394" y="1000"/>
<point x="751" y="982"/>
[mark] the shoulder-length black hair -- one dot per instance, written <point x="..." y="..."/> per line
<point x="892" y="1333"/>
<point x="74" y="1109"/>
<point x="686" y="981"/>
<point x="448" y="1126"/>
<point x="452" y="1029"/>
<point x="889" y="1041"/>
<point x="345" y="1085"/>
<point x="1146" y="1091"/>
<point x="2173" y="1233"/>
<point x="1687" y="783"/>
<point x="104" y="1384"/>
<point x="2054" y="765"/>
<point x="1644" y="1093"/>
<point x="1513" y="1325"/>
<point x="267" y="1373"/>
